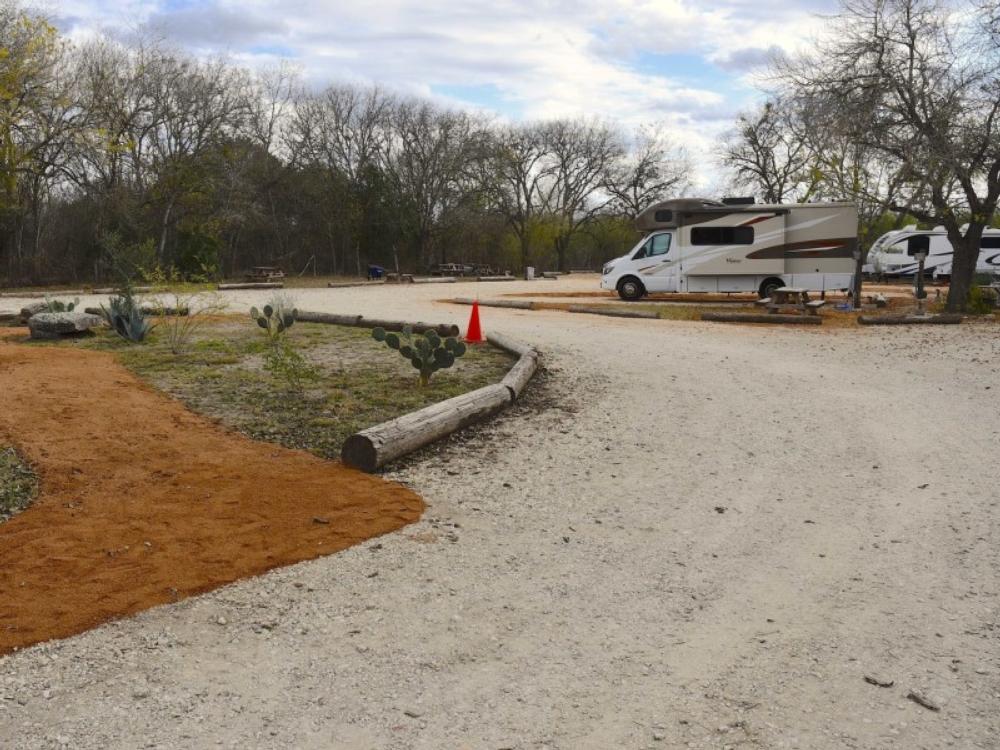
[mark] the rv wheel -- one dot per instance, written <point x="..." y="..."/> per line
<point x="768" y="286"/>
<point x="630" y="288"/>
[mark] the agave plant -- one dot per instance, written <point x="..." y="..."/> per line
<point x="126" y="318"/>
<point x="428" y="353"/>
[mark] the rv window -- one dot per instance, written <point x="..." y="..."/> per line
<point x="643" y="251"/>
<point x="664" y="215"/>
<point x="989" y="243"/>
<point x="722" y="236"/>
<point x="920" y="243"/>
<point x="660" y="245"/>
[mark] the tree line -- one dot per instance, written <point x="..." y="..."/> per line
<point x="130" y="157"/>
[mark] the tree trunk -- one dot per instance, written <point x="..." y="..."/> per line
<point x="562" y="243"/>
<point x="963" y="267"/>
<point x="162" y="247"/>
<point x="525" y="250"/>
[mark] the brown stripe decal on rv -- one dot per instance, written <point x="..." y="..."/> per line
<point x="838" y="247"/>
<point x="758" y="220"/>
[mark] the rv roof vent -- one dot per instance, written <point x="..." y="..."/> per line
<point x="739" y="201"/>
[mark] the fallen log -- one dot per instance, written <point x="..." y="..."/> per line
<point x="899" y="320"/>
<point x="329" y="318"/>
<point x="615" y="313"/>
<point x="346" y="284"/>
<point x="55" y="294"/>
<point x="442" y="329"/>
<point x="515" y="304"/>
<point x="369" y="449"/>
<point x="496" y="278"/>
<point x="761" y="318"/>
<point x="116" y="290"/>
<point x="434" y="280"/>
<point x="251" y="285"/>
<point x="515" y="347"/>
<point x="148" y="310"/>
<point x="518" y="376"/>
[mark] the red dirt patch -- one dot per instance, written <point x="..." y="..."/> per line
<point x="144" y="503"/>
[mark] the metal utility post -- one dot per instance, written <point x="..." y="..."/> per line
<point x="921" y="256"/>
<point x="857" y="277"/>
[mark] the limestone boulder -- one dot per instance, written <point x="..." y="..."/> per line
<point x="33" y="309"/>
<point x="57" y="325"/>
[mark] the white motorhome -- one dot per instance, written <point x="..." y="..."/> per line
<point x="892" y="253"/>
<point x="699" y="245"/>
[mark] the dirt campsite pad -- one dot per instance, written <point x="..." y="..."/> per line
<point x="143" y="502"/>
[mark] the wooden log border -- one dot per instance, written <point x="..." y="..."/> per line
<point x="252" y="285"/>
<point x="443" y="329"/>
<point x="762" y="318"/>
<point x="373" y="448"/>
<point x="900" y="320"/>
<point x="612" y="312"/>
<point x="515" y="304"/>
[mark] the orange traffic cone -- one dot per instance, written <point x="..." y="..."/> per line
<point x="475" y="334"/>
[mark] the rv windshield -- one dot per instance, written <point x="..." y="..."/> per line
<point x="658" y="244"/>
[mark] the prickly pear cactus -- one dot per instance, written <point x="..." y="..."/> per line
<point x="274" y="322"/>
<point x="428" y="353"/>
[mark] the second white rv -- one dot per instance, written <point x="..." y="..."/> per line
<point x="699" y="245"/>
<point x="891" y="255"/>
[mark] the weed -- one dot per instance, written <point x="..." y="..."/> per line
<point x="18" y="484"/>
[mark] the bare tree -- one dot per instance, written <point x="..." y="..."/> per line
<point x="916" y="84"/>
<point x="652" y="169"/>
<point x="431" y="164"/>
<point x="345" y="133"/>
<point x="517" y="169"/>
<point x="579" y="155"/>
<point x="766" y="154"/>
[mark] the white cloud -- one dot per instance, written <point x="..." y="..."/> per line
<point x="536" y="59"/>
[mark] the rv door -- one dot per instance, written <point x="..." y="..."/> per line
<point x="657" y="263"/>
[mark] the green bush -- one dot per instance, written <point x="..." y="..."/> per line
<point x="285" y="363"/>
<point x="427" y="353"/>
<point x="198" y="253"/>
<point x="982" y="301"/>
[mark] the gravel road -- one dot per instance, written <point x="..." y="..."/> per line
<point x="686" y="535"/>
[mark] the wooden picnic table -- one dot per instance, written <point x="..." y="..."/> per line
<point x="264" y="273"/>
<point x="795" y="298"/>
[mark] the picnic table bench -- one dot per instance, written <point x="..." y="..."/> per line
<point x="264" y="273"/>
<point x="787" y="297"/>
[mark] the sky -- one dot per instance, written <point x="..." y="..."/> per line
<point x="687" y="67"/>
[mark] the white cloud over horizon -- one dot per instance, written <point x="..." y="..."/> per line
<point x="683" y="65"/>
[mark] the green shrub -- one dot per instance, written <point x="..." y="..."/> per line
<point x="179" y="328"/>
<point x="982" y="301"/>
<point x="286" y="364"/>
<point x="427" y="353"/>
